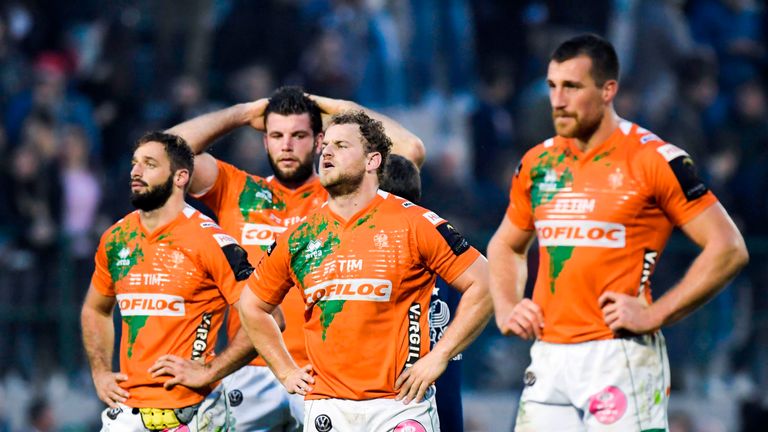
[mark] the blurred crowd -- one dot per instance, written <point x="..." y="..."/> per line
<point x="80" y="80"/>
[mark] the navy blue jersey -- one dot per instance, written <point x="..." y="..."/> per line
<point x="441" y="310"/>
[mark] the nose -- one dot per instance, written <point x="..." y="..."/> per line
<point x="557" y="98"/>
<point x="136" y="170"/>
<point x="287" y="143"/>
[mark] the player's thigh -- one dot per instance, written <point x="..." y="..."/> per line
<point x="537" y="416"/>
<point x="211" y="415"/>
<point x="633" y="394"/>
<point x="258" y="402"/>
<point x="121" y="419"/>
<point x="393" y="415"/>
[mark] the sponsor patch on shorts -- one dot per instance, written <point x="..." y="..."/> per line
<point x="455" y="240"/>
<point x="323" y="423"/>
<point x="235" y="397"/>
<point x="608" y="405"/>
<point x="409" y="425"/>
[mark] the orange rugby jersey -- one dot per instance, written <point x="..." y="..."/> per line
<point x="602" y="219"/>
<point x="172" y="287"/>
<point x="255" y="210"/>
<point x="367" y="284"/>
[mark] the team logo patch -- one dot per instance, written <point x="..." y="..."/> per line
<point x="323" y="423"/>
<point x="688" y="177"/>
<point x="409" y="426"/>
<point x="433" y="217"/>
<point x="455" y="240"/>
<point x="235" y="398"/>
<point x="112" y="413"/>
<point x="608" y="405"/>
<point x="529" y="378"/>
<point x="224" y="239"/>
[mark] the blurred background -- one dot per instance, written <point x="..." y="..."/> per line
<point x="80" y="80"/>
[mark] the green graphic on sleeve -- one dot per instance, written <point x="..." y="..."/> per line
<point x="135" y="323"/>
<point x="307" y="250"/>
<point x="123" y="252"/>
<point x="558" y="255"/>
<point x="256" y="195"/>
<point x="329" y="310"/>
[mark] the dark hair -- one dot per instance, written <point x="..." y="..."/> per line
<point x="289" y="100"/>
<point x="36" y="408"/>
<point x="401" y="177"/>
<point x="605" y="62"/>
<point x="176" y="148"/>
<point x="372" y="131"/>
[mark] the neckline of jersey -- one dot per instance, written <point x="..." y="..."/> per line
<point x="308" y="186"/>
<point x="161" y="229"/>
<point x="368" y="207"/>
<point x="616" y="136"/>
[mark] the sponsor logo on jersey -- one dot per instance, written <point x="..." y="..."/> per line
<point x="260" y="234"/>
<point x="201" y="336"/>
<point x="414" y="335"/>
<point x="123" y="255"/>
<point x="647" y="138"/>
<point x="224" y="239"/>
<point x="148" y="279"/>
<point x="649" y="262"/>
<point x="433" y="217"/>
<point x="150" y="305"/>
<point x="455" y="240"/>
<point x="235" y="398"/>
<point x="671" y="151"/>
<point x="408" y="204"/>
<point x="573" y="205"/>
<point x="377" y="290"/>
<point x="580" y="233"/>
<point x="209" y="225"/>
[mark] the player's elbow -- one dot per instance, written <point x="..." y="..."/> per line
<point x="416" y="151"/>
<point x="734" y="254"/>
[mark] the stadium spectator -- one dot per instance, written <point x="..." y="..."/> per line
<point x="40" y="416"/>
<point x="172" y="272"/>
<point x="602" y="197"/>
<point x="385" y="252"/>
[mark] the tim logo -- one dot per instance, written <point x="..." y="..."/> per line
<point x="150" y="305"/>
<point x="235" y="398"/>
<point x="323" y="423"/>
<point x="260" y="234"/>
<point x="378" y="290"/>
<point x="580" y="233"/>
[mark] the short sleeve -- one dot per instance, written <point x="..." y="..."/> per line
<point x="520" y="211"/>
<point x="102" y="278"/>
<point x="272" y="280"/>
<point x="441" y="247"/>
<point x="227" y="264"/>
<point x="675" y="184"/>
<point x="215" y="197"/>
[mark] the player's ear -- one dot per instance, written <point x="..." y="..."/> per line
<point x="373" y="162"/>
<point x="319" y="142"/>
<point x="610" y="88"/>
<point x="181" y="178"/>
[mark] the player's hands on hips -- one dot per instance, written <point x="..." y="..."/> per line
<point x="189" y="373"/>
<point x="525" y="321"/>
<point x="415" y="380"/>
<point x="628" y="313"/>
<point x="299" y="380"/>
<point x="108" y="389"/>
<point x="257" y="108"/>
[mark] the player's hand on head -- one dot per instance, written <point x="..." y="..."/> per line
<point x="525" y="321"/>
<point x="299" y="380"/>
<point x="413" y="383"/>
<point x="257" y="120"/>
<point x="623" y="312"/>
<point x="189" y="373"/>
<point x="108" y="388"/>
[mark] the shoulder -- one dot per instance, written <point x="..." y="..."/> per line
<point x="123" y="226"/>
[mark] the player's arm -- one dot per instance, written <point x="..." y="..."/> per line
<point x="200" y="132"/>
<point x="723" y="254"/>
<point x="98" y="340"/>
<point x="197" y="374"/>
<point x="508" y="264"/>
<point x="257" y="321"/>
<point x="472" y="314"/>
<point x="404" y="142"/>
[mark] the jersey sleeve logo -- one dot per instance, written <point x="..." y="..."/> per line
<point x="684" y="170"/>
<point x="455" y="240"/>
<point x="433" y="218"/>
<point x="224" y="239"/>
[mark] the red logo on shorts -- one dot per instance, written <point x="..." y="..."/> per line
<point x="409" y="426"/>
<point x="608" y="405"/>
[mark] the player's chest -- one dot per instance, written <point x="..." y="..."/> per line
<point x="589" y="203"/>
